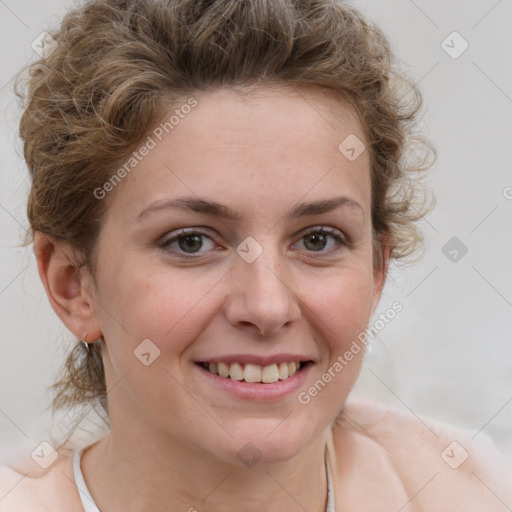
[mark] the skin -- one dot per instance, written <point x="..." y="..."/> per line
<point x="174" y="438"/>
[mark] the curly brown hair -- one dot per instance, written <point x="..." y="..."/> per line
<point x="119" y="64"/>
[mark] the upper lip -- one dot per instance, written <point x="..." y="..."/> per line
<point x="255" y="359"/>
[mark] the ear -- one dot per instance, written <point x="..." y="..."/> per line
<point x="69" y="288"/>
<point x="381" y="253"/>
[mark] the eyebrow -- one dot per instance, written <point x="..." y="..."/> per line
<point x="216" y="209"/>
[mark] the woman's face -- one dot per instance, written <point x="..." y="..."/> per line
<point x="288" y="277"/>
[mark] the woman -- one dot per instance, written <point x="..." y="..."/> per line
<point x="217" y="191"/>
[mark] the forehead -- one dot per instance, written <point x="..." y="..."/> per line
<point x="270" y="143"/>
<point x="272" y="116"/>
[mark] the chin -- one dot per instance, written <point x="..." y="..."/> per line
<point x="268" y="442"/>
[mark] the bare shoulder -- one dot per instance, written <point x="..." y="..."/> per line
<point x="17" y="493"/>
<point x="29" y="489"/>
<point x="442" y="468"/>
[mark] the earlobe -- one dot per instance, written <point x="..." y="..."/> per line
<point x="65" y="285"/>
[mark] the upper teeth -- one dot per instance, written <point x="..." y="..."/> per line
<point x="254" y="372"/>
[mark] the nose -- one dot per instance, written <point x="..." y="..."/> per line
<point x="261" y="295"/>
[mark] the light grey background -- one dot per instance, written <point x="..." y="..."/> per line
<point x="448" y="354"/>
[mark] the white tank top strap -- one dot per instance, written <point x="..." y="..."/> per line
<point x="85" y="496"/>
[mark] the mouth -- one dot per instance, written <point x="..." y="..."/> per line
<point x="254" y="373"/>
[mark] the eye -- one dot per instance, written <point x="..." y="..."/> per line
<point x="187" y="242"/>
<point x="317" y="239"/>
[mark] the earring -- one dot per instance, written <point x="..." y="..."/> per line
<point x="86" y="345"/>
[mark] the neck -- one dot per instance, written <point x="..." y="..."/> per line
<point x="127" y="471"/>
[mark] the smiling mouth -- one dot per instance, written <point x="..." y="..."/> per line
<point x="254" y="372"/>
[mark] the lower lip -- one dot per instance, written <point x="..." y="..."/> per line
<point x="255" y="390"/>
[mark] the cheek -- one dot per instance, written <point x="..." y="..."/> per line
<point x="342" y="304"/>
<point x="170" y="309"/>
<point x="339" y="310"/>
<point x="164" y="305"/>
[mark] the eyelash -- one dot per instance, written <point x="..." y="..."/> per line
<point x="334" y="233"/>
